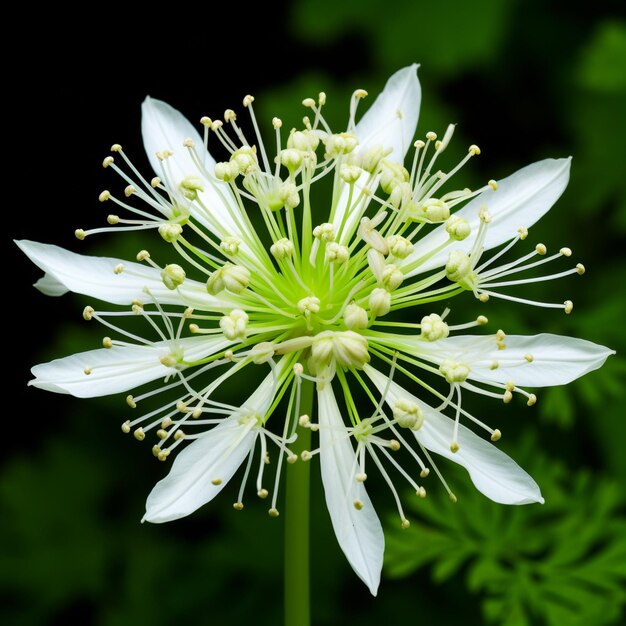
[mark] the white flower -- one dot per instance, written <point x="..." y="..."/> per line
<point x="312" y="303"/>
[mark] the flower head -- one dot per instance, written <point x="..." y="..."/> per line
<point x="349" y="299"/>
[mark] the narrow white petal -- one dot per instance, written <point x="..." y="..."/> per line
<point x="165" y="128"/>
<point x="389" y="123"/>
<point x="50" y="286"/>
<point x="392" y="119"/>
<point x="520" y="200"/>
<point x="359" y="533"/>
<point x="94" y="277"/>
<point x="493" y="473"/>
<point x="535" y="361"/>
<point x="216" y="455"/>
<point x="119" y="368"/>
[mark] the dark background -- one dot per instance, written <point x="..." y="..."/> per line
<point x="524" y="80"/>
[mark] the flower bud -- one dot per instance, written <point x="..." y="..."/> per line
<point x="458" y="228"/>
<point x="434" y="328"/>
<point x="234" y="324"/>
<point x="355" y="316"/>
<point x="380" y="302"/>
<point x="235" y="278"/>
<point x="170" y="232"/>
<point x="407" y="414"/>
<point x="173" y="276"/>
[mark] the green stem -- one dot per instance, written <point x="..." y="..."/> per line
<point x="297" y="593"/>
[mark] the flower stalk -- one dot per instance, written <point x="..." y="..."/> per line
<point x="297" y="525"/>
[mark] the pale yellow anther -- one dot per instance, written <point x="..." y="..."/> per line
<point x="523" y="233"/>
<point x="194" y="328"/>
<point x="230" y="116"/>
<point x="131" y="402"/>
<point x="532" y="399"/>
<point x="139" y="434"/>
<point x="155" y="182"/>
<point x="507" y="397"/>
<point x="510" y="385"/>
<point x="196" y="413"/>
<point x="568" y="307"/>
<point x="529" y="357"/>
<point x="361" y="477"/>
<point x="104" y="195"/>
<point x="263" y="493"/>
<point x="474" y="150"/>
<point x="454" y="371"/>
<point x="496" y="435"/>
<point x="580" y="269"/>
<point x="494" y="365"/>
<point x="88" y="312"/>
<point x="142" y="255"/>
<point x="500" y="335"/>
<point x="80" y="234"/>
<point x="431" y="136"/>
<point x="360" y="93"/>
<point x="181" y="406"/>
<point x="483" y="297"/>
<point x="216" y="125"/>
<point x="305" y="455"/>
<point x="484" y="216"/>
<point x="129" y="190"/>
<point x="419" y="144"/>
<point x="453" y="498"/>
<point x="493" y="184"/>
<point x="454" y="446"/>
<point x="481" y="320"/>
<point x="162" y="433"/>
<point x="298" y="369"/>
<point x="107" y="342"/>
<point x="424" y="472"/>
<point x="421" y="492"/>
<point x="87" y="370"/>
<point x="405" y="523"/>
<point x="163" y="454"/>
<point x="292" y="458"/>
<point x="156" y="450"/>
<point x="565" y="251"/>
<point x="107" y="161"/>
<point x="277" y="123"/>
<point x="394" y="444"/>
<point x="113" y="219"/>
<point x="126" y="427"/>
<point x="167" y="422"/>
<point x="309" y="103"/>
<point x="119" y="268"/>
<point x="540" y="249"/>
<point x="358" y="505"/>
<point x="248" y="100"/>
<point x="188" y="143"/>
<point x="216" y="481"/>
<point x="178" y="435"/>
<point x="238" y="506"/>
<point x="273" y="512"/>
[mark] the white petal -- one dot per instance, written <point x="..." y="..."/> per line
<point x="392" y="119"/>
<point x="50" y="286"/>
<point x="390" y="123"/>
<point x="494" y="474"/>
<point x="520" y="201"/>
<point x="165" y="128"/>
<point x="119" y="368"/>
<point x="216" y="455"/>
<point x="359" y="533"/>
<point x="94" y="277"/>
<point x="556" y="359"/>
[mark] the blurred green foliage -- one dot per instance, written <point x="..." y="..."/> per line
<point x="523" y="79"/>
